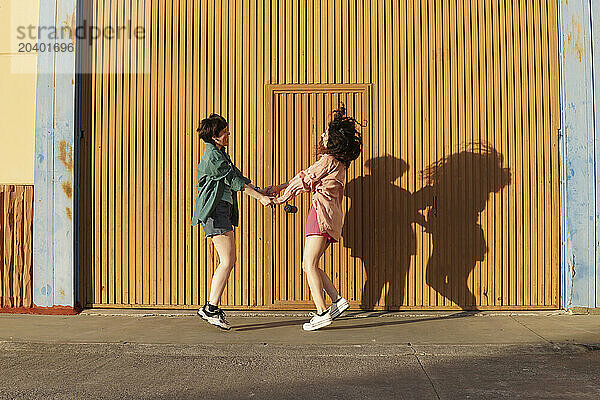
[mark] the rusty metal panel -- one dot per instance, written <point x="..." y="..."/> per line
<point x="16" y="251"/>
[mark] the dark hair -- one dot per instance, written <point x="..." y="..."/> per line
<point x="345" y="140"/>
<point x="211" y="127"/>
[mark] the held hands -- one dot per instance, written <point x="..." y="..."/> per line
<point x="266" y="201"/>
<point x="259" y="195"/>
<point x="269" y="194"/>
<point x="272" y="191"/>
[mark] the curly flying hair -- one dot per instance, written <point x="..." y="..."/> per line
<point x="345" y="140"/>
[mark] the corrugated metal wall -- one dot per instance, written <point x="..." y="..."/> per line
<point x="16" y="251"/>
<point x="457" y="202"/>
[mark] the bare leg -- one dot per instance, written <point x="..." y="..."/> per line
<point x="328" y="285"/>
<point x="314" y="247"/>
<point x="225" y="245"/>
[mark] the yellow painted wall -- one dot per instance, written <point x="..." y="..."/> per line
<point x="18" y="98"/>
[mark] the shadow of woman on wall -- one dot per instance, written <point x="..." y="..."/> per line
<point x="378" y="230"/>
<point x="456" y="192"/>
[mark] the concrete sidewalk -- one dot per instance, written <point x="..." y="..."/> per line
<point x="442" y="328"/>
<point x="133" y="354"/>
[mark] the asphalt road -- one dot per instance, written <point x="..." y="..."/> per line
<point x="108" y="357"/>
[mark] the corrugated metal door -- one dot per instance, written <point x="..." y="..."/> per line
<point x="297" y="116"/>
<point x="462" y="94"/>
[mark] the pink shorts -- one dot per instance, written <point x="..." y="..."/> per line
<point x="312" y="226"/>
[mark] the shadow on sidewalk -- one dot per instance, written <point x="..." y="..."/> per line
<point x="461" y="314"/>
<point x="268" y="325"/>
<point x="352" y="317"/>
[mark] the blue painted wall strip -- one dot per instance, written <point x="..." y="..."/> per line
<point x="54" y="165"/>
<point x="64" y="143"/>
<point x="578" y="155"/>
<point x="43" y="274"/>
<point x="594" y="21"/>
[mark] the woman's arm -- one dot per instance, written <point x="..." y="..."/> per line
<point x="275" y="190"/>
<point x="306" y="180"/>
<point x="252" y="192"/>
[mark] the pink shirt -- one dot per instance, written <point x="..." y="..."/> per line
<point x="325" y="178"/>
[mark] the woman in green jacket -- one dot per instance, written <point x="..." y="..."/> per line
<point x="217" y="208"/>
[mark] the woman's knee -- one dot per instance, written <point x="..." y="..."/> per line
<point x="229" y="262"/>
<point x="309" y="265"/>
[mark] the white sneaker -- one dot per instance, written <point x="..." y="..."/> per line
<point x="216" y="318"/>
<point x="338" y="307"/>
<point x="317" y="322"/>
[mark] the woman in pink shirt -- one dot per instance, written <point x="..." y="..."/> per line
<point x="340" y="144"/>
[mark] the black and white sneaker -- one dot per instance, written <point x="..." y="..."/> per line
<point x="338" y="307"/>
<point x="216" y="318"/>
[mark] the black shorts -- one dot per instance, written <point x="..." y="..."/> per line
<point x="219" y="222"/>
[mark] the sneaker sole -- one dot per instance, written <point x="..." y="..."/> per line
<point x="315" y="327"/>
<point x="205" y="317"/>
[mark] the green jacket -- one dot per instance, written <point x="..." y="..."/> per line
<point x="214" y="172"/>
